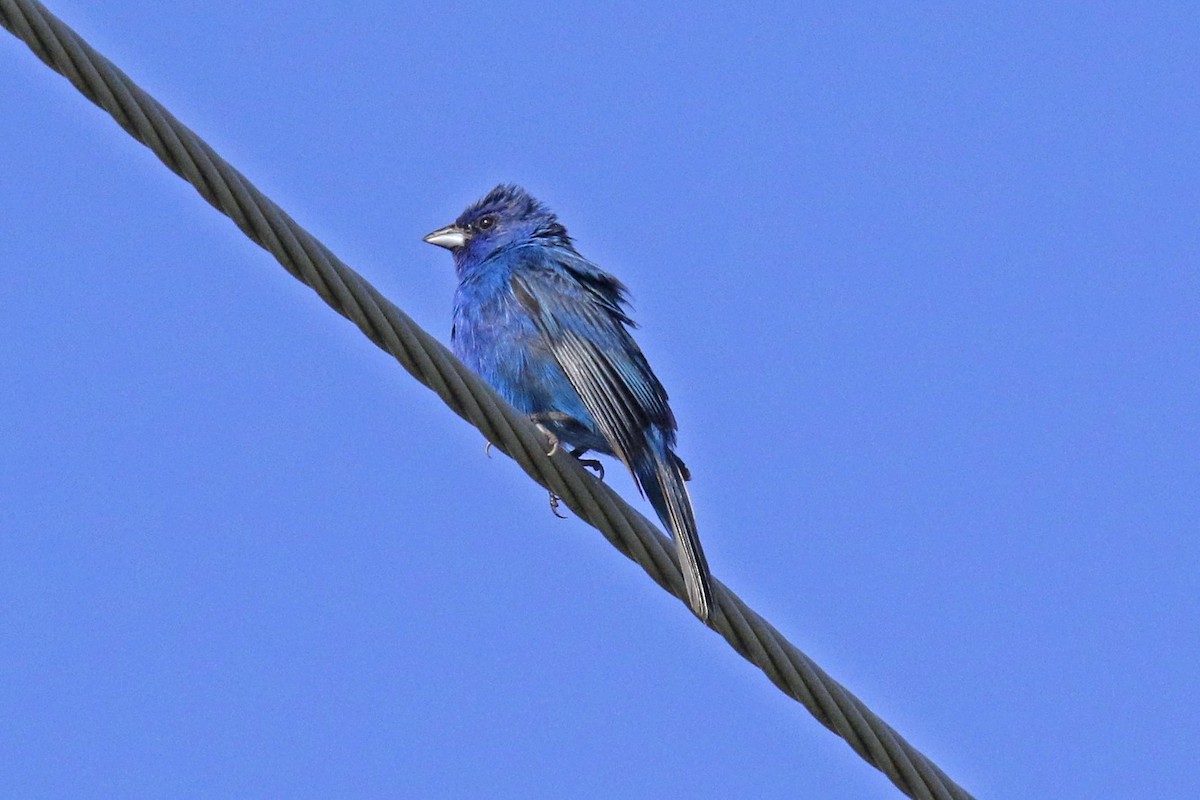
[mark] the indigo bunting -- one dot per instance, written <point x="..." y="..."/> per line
<point x="549" y="330"/>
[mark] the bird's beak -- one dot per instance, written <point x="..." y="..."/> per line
<point x="450" y="237"/>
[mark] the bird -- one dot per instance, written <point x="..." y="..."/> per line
<point x="549" y="330"/>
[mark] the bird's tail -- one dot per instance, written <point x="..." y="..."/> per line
<point x="662" y="479"/>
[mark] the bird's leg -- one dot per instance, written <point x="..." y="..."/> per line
<point x="549" y="435"/>
<point x="587" y="462"/>
<point x="553" y="449"/>
<point x="542" y="418"/>
<point x="590" y="463"/>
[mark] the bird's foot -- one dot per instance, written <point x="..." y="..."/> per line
<point x="551" y="437"/>
<point x="487" y="450"/>
<point x="590" y="463"/>
<point x="542" y="419"/>
<point x="554" y="501"/>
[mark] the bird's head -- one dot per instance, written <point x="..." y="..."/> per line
<point x="506" y="216"/>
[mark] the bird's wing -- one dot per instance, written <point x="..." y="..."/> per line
<point x="582" y="321"/>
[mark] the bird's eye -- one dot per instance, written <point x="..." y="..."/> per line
<point x="485" y="223"/>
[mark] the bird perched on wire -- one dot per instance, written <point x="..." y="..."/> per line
<point x="549" y="330"/>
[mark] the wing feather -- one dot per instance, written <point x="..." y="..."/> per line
<point x="585" y="331"/>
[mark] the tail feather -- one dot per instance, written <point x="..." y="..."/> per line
<point x="662" y="479"/>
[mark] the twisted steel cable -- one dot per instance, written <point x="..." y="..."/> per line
<point x="467" y="395"/>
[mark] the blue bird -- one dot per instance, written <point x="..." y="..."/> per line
<point x="549" y="330"/>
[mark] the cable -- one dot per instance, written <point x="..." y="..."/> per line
<point x="466" y="394"/>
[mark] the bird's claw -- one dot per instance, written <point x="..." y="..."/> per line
<point x="487" y="451"/>
<point x="591" y="463"/>
<point x="551" y="437"/>
<point x="554" y="501"/>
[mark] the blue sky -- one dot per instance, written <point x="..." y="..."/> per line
<point x="922" y="285"/>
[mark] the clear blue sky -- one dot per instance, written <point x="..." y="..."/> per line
<point x="922" y="284"/>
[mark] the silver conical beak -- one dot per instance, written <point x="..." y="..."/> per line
<point x="449" y="237"/>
